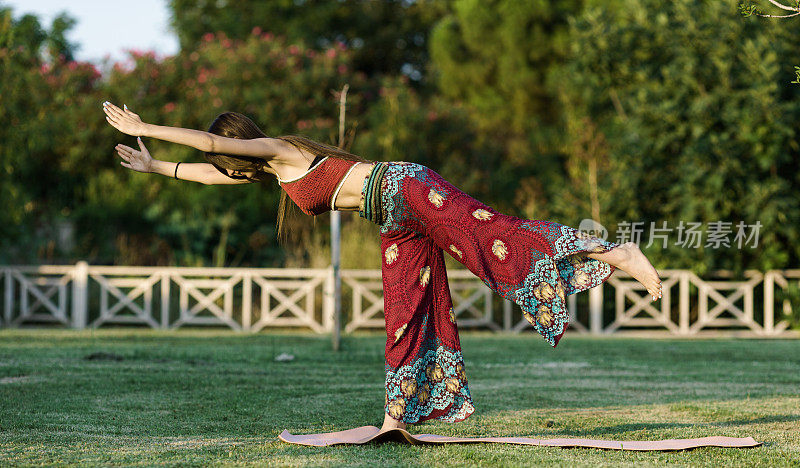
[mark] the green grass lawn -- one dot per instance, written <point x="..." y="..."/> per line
<point x="196" y="397"/>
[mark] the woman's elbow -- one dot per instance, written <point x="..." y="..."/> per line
<point x="210" y="143"/>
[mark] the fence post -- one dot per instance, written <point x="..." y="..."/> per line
<point x="683" y="304"/>
<point x="80" y="283"/>
<point x="596" y="310"/>
<point x="506" y="315"/>
<point x="769" y="303"/>
<point x="165" y="280"/>
<point x="9" y="302"/>
<point x="328" y="305"/>
<point x="247" y="301"/>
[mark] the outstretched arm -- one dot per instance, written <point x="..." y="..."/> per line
<point x="130" y="123"/>
<point x="141" y="161"/>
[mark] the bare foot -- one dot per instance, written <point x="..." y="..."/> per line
<point x="391" y="423"/>
<point x="628" y="258"/>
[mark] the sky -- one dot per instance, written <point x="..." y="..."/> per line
<point x="107" y="27"/>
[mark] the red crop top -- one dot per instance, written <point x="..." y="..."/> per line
<point x="315" y="191"/>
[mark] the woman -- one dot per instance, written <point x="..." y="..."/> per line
<point x="533" y="263"/>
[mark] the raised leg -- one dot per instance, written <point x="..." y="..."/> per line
<point x="534" y="263"/>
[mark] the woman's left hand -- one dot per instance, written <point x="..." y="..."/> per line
<point x="124" y="120"/>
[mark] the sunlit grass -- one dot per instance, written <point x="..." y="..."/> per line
<point x="200" y="397"/>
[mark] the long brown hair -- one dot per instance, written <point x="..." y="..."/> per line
<point x="235" y="125"/>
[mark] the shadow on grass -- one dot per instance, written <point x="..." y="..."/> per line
<point x="763" y="420"/>
<point x="633" y="427"/>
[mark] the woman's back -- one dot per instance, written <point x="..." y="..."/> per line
<point x="319" y="184"/>
<point x="315" y="191"/>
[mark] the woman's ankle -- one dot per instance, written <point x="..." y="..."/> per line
<point x="391" y="423"/>
<point x="617" y="256"/>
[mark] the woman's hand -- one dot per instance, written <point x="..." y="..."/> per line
<point x="124" y="120"/>
<point x="139" y="161"/>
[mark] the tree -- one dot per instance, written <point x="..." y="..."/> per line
<point x="38" y="78"/>
<point x="692" y="103"/>
<point x="58" y="171"/>
<point x="751" y="9"/>
<point x="494" y="58"/>
<point x="386" y="37"/>
<point x="285" y="88"/>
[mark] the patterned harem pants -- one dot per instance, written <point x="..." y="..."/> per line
<point x="532" y="263"/>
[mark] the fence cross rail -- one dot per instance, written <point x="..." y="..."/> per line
<point x="252" y="299"/>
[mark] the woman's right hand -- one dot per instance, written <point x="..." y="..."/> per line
<point x="139" y="161"/>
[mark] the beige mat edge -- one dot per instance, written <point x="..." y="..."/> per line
<point x="365" y="434"/>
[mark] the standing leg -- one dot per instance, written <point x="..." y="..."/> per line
<point x="425" y="375"/>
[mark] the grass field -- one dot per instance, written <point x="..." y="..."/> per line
<point x="129" y="397"/>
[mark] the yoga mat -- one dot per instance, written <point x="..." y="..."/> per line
<point x="366" y="434"/>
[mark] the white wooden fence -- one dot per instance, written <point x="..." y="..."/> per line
<point x="251" y="299"/>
